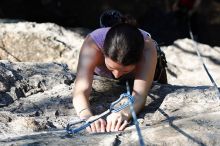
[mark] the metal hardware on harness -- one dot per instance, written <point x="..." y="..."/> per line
<point x="112" y="109"/>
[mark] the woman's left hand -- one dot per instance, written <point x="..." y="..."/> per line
<point x="116" y="122"/>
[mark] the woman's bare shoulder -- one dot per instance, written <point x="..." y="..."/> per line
<point x="149" y="56"/>
<point x="90" y="53"/>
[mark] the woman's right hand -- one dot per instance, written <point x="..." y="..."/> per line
<point x="97" y="126"/>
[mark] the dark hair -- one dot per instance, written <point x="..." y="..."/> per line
<point x="112" y="17"/>
<point x="124" y="43"/>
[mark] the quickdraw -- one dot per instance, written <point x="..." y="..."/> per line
<point x="113" y="109"/>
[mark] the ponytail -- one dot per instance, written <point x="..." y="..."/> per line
<point x="110" y="18"/>
<point x="128" y="19"/>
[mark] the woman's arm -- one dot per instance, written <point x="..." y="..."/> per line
<point x="88" y="59"/>
<point x="145" y="74"/>
<point x="142" y="84"/>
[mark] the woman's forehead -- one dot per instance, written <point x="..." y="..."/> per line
<point x="114" y="65"/>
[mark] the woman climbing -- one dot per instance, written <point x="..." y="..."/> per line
<point x="118" y="50"/>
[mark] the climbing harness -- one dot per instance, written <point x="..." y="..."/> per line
<point x="113" y="109"/>
<point x="160" y="75"/>
<point x="134" y="117"/>
<point x="203" y="63"/>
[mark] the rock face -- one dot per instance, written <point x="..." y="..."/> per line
<point x="185" y="67"/>
<point x="154" y="16"/>
<point x="33" y="42"/>
<point x="39" y="114"/>
<point x="36" y="100"/>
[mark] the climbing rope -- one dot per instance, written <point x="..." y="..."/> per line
<point x="141" y="141"/>
<point x="203" y="63"/>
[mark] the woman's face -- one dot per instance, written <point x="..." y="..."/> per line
<point x="118" y="69"/>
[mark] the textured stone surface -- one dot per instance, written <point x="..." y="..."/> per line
<point x="154" y="16"/>
<point x="185" y="67"/>
<point x="32" y="42"/>
<point x="173" y="115"/>
<point x="36" y="100"/>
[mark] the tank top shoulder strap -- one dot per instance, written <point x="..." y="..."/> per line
<point x="99" y="35"/>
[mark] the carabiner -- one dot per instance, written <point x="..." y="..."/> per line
<point x="112" y="109"/>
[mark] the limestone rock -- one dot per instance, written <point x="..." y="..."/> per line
<point x="32" y="42"/>
<point x="173" y="115"/>
<point x="36" y="99"/>
<point x="185" y="67"/>
<point x="21" y="80"/>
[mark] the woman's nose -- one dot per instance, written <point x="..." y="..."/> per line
<point x="117" y="73"/>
